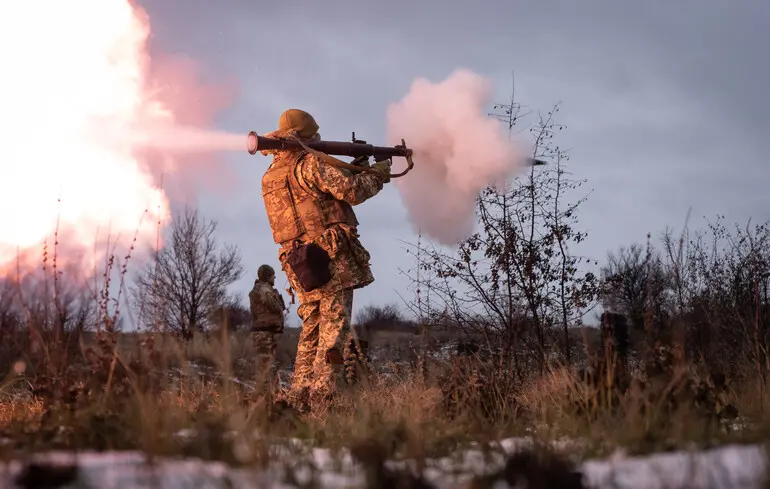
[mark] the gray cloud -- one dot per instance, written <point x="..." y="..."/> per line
<point x="665" y="102"/>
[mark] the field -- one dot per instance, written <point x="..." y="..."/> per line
<point x="125" y="400"/>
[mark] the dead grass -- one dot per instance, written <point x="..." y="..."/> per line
<point x="26" y="412"/>
<point x="171" y="398"/>
<point x="155" y="393"/>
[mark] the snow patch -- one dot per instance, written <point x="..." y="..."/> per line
<point x="728" y="467"/>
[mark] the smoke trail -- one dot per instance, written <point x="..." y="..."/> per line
<point x="182" y="144"/>
<point x="176" y="139"/>
<point x="458" y="151"/>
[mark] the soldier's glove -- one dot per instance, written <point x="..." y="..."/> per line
<point x="362" y="161"/>
<point x="383" y="168"/>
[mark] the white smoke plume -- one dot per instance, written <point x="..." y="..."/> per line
<point x="458" y="151"/>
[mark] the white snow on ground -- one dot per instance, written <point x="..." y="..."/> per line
<point x="728" y="467"/>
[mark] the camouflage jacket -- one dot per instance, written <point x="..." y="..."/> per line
<point x="313" y="181"/>
<point x="267" y="308"/>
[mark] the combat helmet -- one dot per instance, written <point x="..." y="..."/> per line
<point x="265" y="272"/>
<point x="300" y="121"/>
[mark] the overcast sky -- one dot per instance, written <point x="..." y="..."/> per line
<point x="665" y="102"/>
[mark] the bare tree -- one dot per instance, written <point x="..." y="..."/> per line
<point x="188" y="282"/>
<point x="706" y="294"/>
<point x="635" y="283"/>
<point x="723" y="296"/>
<point x="515" y="279"/>
<point x="43" y="314"/>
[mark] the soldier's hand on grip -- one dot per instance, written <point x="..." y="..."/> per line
<point x="383" y="167"/>
<point x="362" y="161"/>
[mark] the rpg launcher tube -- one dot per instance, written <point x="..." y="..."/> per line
<point x="256" y="143"/>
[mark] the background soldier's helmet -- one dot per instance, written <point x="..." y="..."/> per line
<point x="300" y="121"/>
<point x="265" y="272"/>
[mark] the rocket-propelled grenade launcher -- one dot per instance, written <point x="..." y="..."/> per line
<point x="356" y="149"/>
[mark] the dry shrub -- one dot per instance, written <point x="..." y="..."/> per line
<point x="24" y="411"/>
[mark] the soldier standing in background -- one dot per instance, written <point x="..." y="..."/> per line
<point x="309" y="206"/>
<point x="267" y="310"/>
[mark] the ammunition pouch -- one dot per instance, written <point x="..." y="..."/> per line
<point x="310" y="264"/>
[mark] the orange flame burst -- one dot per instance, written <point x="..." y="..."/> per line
<point x="73" y="72"/>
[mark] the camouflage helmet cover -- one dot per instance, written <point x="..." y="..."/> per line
<point x="300" y="121"/>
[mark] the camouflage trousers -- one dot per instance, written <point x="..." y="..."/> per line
<point x="320" y="351"/>
<point x="265" y="346"/>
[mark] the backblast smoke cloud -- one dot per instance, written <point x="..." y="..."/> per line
<point x="90" y="125"/>
<point x="458" y="151"/>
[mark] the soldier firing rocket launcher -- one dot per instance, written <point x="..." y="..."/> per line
<point x="357" y="149"/>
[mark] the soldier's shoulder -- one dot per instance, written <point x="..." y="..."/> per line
<point x="260" y="295"/>
<point x="258" y="287"/>
<point x="310" y="162"/>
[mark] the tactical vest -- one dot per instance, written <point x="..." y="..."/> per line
<point x="293" y="211"/>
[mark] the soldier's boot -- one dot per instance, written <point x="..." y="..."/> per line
<point x="325" y="383"/>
